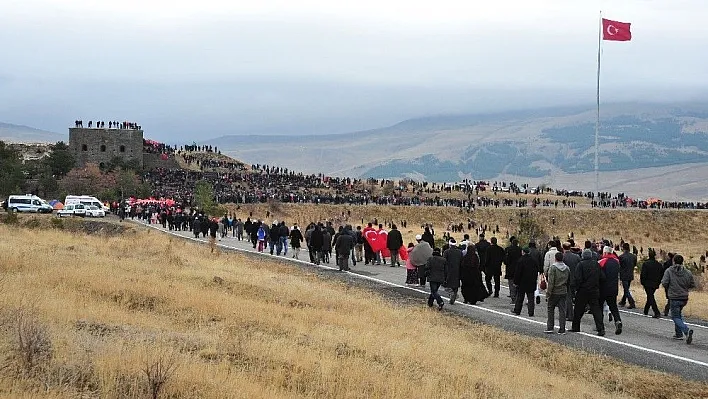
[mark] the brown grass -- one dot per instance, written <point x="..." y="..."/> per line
<point x="125" y="313"/>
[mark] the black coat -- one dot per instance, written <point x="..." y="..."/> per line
<point x="651" y="274"/>
<point x="453" y="261"/>
<point x="428" y="237"/>
<point x="628" y="261"/>
<point x="482" y="247"/>
<point x="526" y="274"/>
<point x="295" y="238"/>
<point x="511" y="259"/>
<point x="435" y="269"/>
<point x="495" y="257"/>
<point x="394" y="241"/>
<point x="344" y="245"/>
<point x="473" y="289"/>
<point x="611" y="269"/>
<point x="316" y="239"/>
<point x="588" y="276"/>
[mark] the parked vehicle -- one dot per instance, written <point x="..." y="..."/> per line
<point x="28" y="203"/>
<point x="95" y="212"/>
<point x="86" y="200"/>
<point x="72" y="210"/>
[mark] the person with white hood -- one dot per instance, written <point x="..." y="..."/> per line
<point x="556" y="292"/>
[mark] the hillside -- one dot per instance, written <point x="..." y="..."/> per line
<point x="25" y="134"/>
<point x="103" y="321"/>
<point x="542" y="145"/>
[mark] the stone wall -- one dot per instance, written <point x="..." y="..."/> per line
<point x="101" y="145"/>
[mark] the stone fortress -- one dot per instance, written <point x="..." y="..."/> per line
<point x="101" y="145"/>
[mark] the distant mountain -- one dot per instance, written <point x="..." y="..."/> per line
<point x="25" y="134"/>
<point x="538" y="145"/>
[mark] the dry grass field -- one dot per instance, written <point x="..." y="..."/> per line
<point x="141" y="314"/>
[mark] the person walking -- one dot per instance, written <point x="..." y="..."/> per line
<point x="678" y="281"/>
<point x="296" y="240"/>
<point x="419" y="257"/>
<point x="587" y="283"/>
<point x="316" y="242"/>
<point x="435" y="269"/>
<point x="556" y="292"/>
<point x="511" y="259"/>
<point x="394" y="242"/>
<point x="473" y="290"/>
<point x="628" y="261"/>
<point x="650" y="278"/>
<point x="359" y="247"/>
<point x="610" y="266"/>
<point x="343" y="247"/>
<point x="453" y="262"/>
<point x="495" y="257"/>
<point x="525" y="278"/>
<point x="411" y="270"/>
<point x="571" y="260"/>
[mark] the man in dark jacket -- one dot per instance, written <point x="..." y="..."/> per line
<point x="316" y="242"/>
<point x="678" y="281"/>
<point x="525" y="277"/>
<point x="511" y="259"/>
<point x="628" y="261"/>
<point x="428" y="237"/>
<point x="571" y="259"/>
<point x="453" y="261"/>
<point x="588" y="277"/>
<point x="495" y="257"/>
<point x="435" y="271"/>
<point x="342" y="247"/>
<point x="608" y="289"/>
<point x="482" y="247"/>
<point x="650" y="278"/>
<point x="394" y="242"/>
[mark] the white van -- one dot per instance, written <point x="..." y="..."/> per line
<point x="28" y="203"/>
<point x="85" y="200"/>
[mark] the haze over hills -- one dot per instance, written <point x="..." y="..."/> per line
<point x="648" y="143"/>
<point x="26" y="134"/>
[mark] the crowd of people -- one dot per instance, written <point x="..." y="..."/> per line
<point x="575" y="281"/>
<point x="111" y="125"/>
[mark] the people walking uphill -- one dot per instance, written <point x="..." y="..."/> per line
<point x="473" y="290"/>
<point x="495" y="257"/>
<point x="650" y="278"/>
<point x="525" y="279"/>
<point x="511" y="259"/>
<point x="556" y="292"/>
<point x="678" y="281"/>
<point x="394" y="242"/>
<point x="453" y="261"/>
<point x="628" y="261"/>
<point x="419" y="257"/>
<point x="435" y="269"/>
<point x="588" y="278"/>
<point x="610" y="266"/>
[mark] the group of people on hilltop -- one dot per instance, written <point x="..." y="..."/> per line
<point x="111" y="125"/>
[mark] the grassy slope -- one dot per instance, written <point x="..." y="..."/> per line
<point x="111" y="306"/>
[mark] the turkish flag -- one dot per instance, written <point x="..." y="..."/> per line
<point x="616" y="31"/>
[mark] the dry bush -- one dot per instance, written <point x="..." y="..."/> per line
<point x="158" y="372"/>
<point x="32" y="347"/>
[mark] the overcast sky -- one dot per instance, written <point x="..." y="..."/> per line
<point x="191" y="70"/>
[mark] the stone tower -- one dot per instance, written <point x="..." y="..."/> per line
<point x="100" y="146"/>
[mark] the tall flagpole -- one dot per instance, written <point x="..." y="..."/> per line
<point x="597" y="121"/>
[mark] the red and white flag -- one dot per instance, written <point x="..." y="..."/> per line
<point x="616" y="31"/>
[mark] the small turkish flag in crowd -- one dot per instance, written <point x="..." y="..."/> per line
<point x="616" y="31"/>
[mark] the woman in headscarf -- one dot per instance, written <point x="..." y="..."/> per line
<point x="473" y="290"/>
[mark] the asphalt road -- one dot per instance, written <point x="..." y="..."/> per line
<point x="644" y="341"/>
